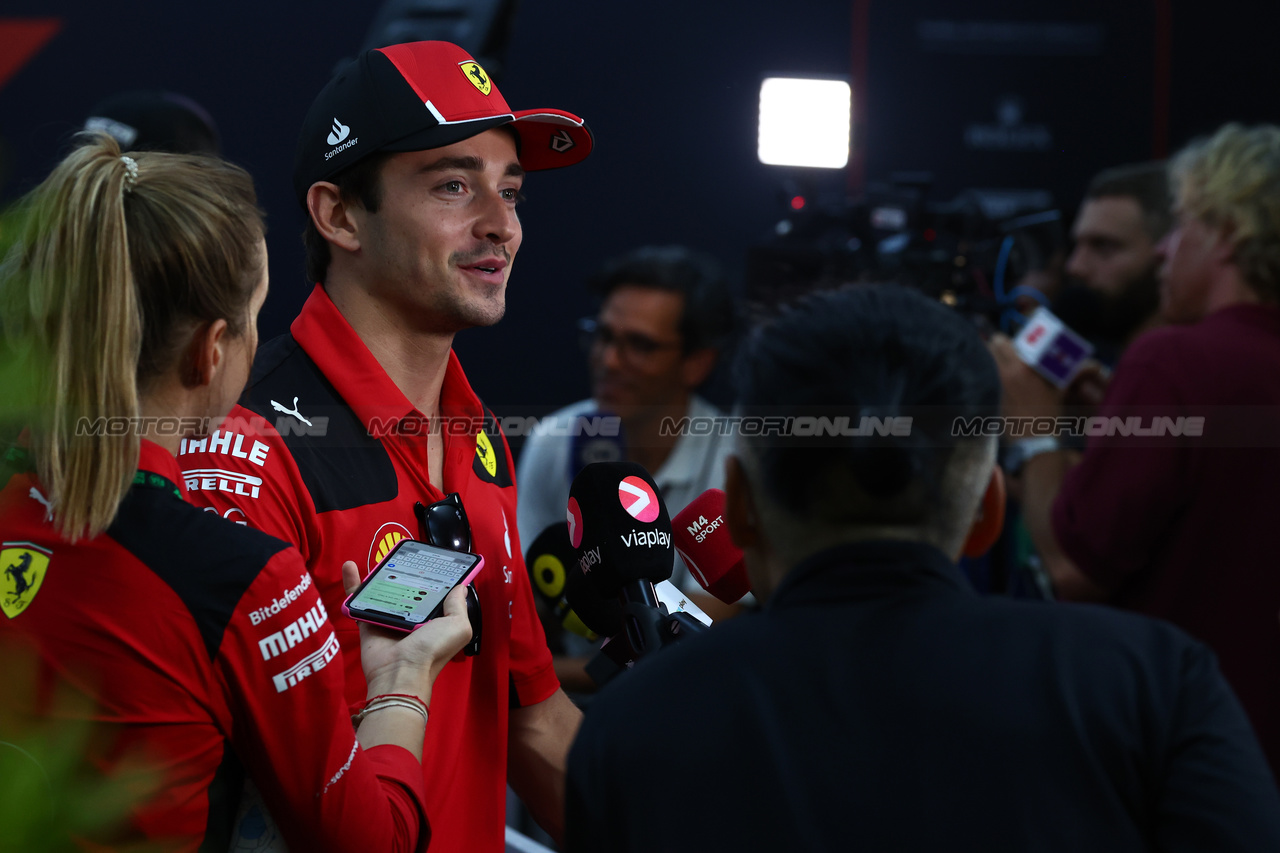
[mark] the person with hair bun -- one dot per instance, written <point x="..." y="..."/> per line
<point x="130" y="296"/>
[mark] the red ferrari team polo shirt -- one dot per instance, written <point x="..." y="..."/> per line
<point x="324" y="451"/>
<point x="205" y="656"/>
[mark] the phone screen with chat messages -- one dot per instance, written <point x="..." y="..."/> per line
<point x="409" y="586"/>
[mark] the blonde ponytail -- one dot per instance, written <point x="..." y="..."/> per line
<point x="104" y="280"/>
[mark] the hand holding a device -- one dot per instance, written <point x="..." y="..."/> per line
<point x="1089" y="387"/>
<point x="1026" y="394"/>
<point x="400" y="662"/>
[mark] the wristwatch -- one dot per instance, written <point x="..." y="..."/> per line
<point x="1021" y="451"/>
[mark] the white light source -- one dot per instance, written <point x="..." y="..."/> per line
<point x="804" y="122"/>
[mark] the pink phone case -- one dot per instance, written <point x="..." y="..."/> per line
<point x="346" y="610"/>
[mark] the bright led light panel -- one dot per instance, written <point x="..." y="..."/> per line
<point x="805" y="122"/>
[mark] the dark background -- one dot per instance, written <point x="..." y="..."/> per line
<point x="670" y="90"/>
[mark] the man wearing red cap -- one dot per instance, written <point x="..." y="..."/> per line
<point x="409" y="165"/>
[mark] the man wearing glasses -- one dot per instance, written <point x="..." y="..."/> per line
<point x="665" y="314"/>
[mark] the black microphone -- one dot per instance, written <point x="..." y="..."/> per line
<point x="601" y="614"/>
<point x="549" y="559"/>
<point x="621" y="533"/>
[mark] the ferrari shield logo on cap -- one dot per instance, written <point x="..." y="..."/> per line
<point x="25" y="565"/>
<point x="484" y="452"/>
<point x="473" y="72"/>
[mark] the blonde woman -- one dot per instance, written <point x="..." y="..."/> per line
<point x="132" y="293"/>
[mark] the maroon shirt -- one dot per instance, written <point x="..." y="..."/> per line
<point x="1188" y="528"/>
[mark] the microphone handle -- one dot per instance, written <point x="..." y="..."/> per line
<point x="640" y="591"/>
<point x="613" y="658"/>
<point x="681" y="624"/>
<point x="644" y="621"/>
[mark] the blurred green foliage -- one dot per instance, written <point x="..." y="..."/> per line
<point x="51" y="796"/>
<point x="18" y="377"/>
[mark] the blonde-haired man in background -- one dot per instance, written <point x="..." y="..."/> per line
<point x="1178" y="518"/>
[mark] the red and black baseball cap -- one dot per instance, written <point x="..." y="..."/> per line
<point x="410" y="97"/>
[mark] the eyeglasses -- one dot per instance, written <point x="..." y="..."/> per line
<point x="632" y="346"/>
<point x="444" y="523"/>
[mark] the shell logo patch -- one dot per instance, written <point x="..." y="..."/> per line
<point x="484" y="452"/>
<point x="477" y="77"/>
<point x="25" y="565"/>
<point x="383" y="541"/>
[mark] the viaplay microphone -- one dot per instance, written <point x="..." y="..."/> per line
<point x="621" y="533"/>
<point x="620" y="529"/>
<point x="601" y="614"/>
<point x="702" y="541"/>
<point x="548" y="559"/>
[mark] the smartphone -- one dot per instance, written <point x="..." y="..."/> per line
<point x="409" y="587"/>
<point x="1051" y="349"/>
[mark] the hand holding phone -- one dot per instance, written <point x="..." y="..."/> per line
<point x="409" y="586"/>
<point x="396" y="662"/>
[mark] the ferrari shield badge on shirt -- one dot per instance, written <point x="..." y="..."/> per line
<point x="490" y="460"/>
<point x="25" y="565"/>
<point x="484" y="452"/>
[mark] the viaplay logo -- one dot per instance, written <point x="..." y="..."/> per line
<point x="638" y="499"/>
<point x="573" y="515"/>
